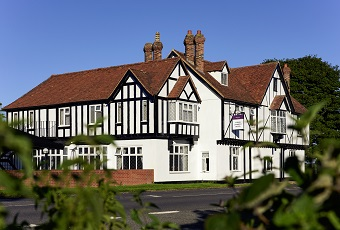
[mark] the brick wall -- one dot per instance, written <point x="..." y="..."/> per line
<point x="74" y="178"/>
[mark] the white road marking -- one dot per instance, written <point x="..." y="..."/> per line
<point x="165" y="212"/>
<point x="154" y="196"/>
<point x="216" y="194"/>
<point x="17" y="205"/>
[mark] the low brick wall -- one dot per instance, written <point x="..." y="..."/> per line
<point x="73" y="178"/>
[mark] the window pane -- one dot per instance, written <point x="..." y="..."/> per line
<point x="67" y="120"/>
<point x="180" y="163"/>
<point x="132" y="150"/>
<point x="176" y="162"/>
<point x="119" y="162"/>
<point x="92" y="116"/>
<point x="126" y="162"/>
<point x="133" y="162"/>
<point x="185" y="162"/>
<point x="195" y="113"/>
<point x="172" y="111"/>
<point x="139" y="162"/>
<point x="171" y="162"/>
<point x="180" y="112"/>
<point x="139" y="150"/>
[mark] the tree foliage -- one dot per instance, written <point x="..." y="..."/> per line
<point x="313" y="81"/>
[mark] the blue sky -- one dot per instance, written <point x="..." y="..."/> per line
<point x="39" y="38"/>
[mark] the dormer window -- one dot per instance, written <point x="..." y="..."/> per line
<point x="224" y="78"/>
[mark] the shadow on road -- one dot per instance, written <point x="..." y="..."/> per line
<point x="201" y="216"/>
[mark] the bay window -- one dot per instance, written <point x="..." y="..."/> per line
<point x="187" y="112"/>
<point x="278" y="121"/>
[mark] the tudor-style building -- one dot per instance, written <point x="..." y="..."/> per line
<point x="183" y="116"/>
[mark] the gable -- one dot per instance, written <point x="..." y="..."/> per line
<point x="184" y="89"/>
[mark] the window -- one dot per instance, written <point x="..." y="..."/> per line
<point x="129" y="157"/>
<point x="178" y="160"/>
<point x="64" y="116"/>
<point x="31" y="119"/>
<point x="224" y="78"/>
<point x="187" y="112"/>
<point x="278" y="121"/>
<point x="234" y="159"/>
<point x="15" y="121"/>
<point x="268" y="164"/>
<point x="119" y="112"/>
<point x="95" y="113"/>
<point x="205" y="161"/>
<point x="51" y="159"/>
<point x="252" y="117"/>
<point x="291" y="153"/>
<point x="172" y="111"/>
<point x="144" y="110"/>
<point x="275" y="84"/>
<point x="95" y="156"/>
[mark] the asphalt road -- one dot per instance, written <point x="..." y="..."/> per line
<point x="187" y="208"/>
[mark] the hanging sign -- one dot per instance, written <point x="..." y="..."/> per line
<point x="238" y="121"/>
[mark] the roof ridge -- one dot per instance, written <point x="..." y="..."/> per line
<point x="111" y="67"/>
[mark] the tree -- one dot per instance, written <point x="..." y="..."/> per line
<point x="312" y="81"/>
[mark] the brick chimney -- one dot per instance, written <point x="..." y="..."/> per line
<point x="189" y="47"/>
<point x="157" y="47"/>
<point x="148" y="56"/>
<point x="286" y="75"/>
<point x="199" y="51"/>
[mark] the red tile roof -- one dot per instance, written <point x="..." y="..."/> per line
<point x="245" y="84"/>
<point x="277" y="102"/>
<point x="180" y="85"/>
<point x="96" y="84"/>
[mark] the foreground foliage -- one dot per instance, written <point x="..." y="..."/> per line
<point x="267" y="203"/>
<point x="84" y="208"/>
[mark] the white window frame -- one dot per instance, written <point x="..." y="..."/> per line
<point x="119" y="112"/>
<point x="235" y="159"/>
<point x="278" y="121"/>
<point x="95" y="156"/>
<point x="96" y="114"/>
<point x="130" y="157"/>
<point x="65" y="116"/>
<point x="205" y="162"/>
<point x="187" y="112"/>
<point x="179" y="158"/>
